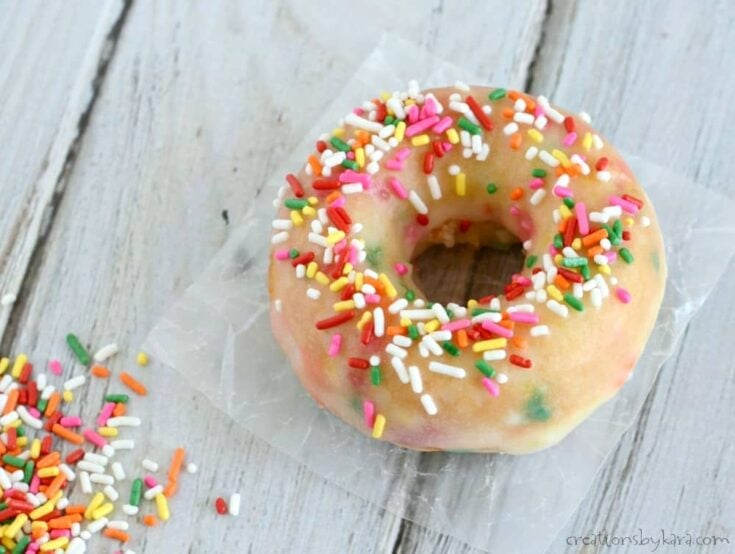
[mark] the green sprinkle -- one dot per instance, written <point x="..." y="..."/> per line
<point x="573" y="301"/>
<point x="375" y="375"/>
<point x="117" y="398"/>
<point x="485" y="368"/>
<point x="574" y="262"/>
<point x="611" y="234"/>
<point x="79" y="351"/>
<point x="468" y="126"/>
<point x="585" y="271"/>
<point x="451" y="348"/>
<point x="20" y="431"/>
<point x="14" y="461"/>
<point x="350" y="164"/>
<point x="618" y="227"/>
<point x="491" y="188"/>
<point x="413" y="332"/>
<point x="497" y="94"/>
<point x="568" y="202"/>
<point x="42" y="405"/>
<point x="293" y="253"/>
<point x="374" y="256"/>
<point x="389" y="120"/>
<point x="410" y="295"/>
<point x="626" y="255"/>
<point x="135" y="492"/>
<point x="538" y="172"/>
<point x="536" y="408"/>
<point x="558" y="241"/>
<point x="531" y="261"/>
<point x="295" y="203"/>
<point x="478" y="311"/>
<point x="28" y="471"/>
<point x="450" y="313"/>
<point x="21" y="545"/>
<point x="339" y="144"/>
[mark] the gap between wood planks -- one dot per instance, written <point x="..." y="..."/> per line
<point x="64" y="162"/>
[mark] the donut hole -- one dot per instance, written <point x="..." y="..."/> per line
<point x="455" y="265"/>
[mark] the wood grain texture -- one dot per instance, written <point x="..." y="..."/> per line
<point x="169" y="141"/>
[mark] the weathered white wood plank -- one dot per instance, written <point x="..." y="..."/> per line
<point x="198" y="107"/>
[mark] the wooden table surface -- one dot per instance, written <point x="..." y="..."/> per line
<point x="126" y="128"/>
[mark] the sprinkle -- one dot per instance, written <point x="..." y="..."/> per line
<point x="445" y="369"/>
<point x="574" y="302"/>
<point x="106" y="352"/>
<point x="415" y="377"/>
<point x="428" y="403"/>
<point x="234" y="504"/>
<point x="79" y="351"/>
<point x="133" y="384"/>
<point x="539" y="330"/>
<point x="491" y="386"/>
<point x="379" y="426"/>
<point x="417" y="203"/>
<point x="492" y="344"/>
<point x="623" y="295"/>
<point x="335" y="320"/>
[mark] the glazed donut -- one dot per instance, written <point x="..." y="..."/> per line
<point x="513" y="371"/>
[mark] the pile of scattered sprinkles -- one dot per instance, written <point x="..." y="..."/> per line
<point x="575" y="271"/>
<point x="44" y="452"/>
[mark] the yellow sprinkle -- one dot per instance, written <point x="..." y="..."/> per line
<point x="562" y="157"/>
<point x="577" y="243"/>
<point x="42" y="510"/>
<point x="338" y="131"/>
<point x="587" y="141"/>
<point x="360" y="157"/>
<point x="343" y="305"/>
<point x="321" y="278"/>
<point x="22" y="441"/>
<point x="308" y="211"/>
<point x="311" y="269"/>
<point x="558" y="258"/>
<point x="628" y="221"/>
<point x="95" y="503"/>
<point x="107" y="431"/>
<point x="390" y="290"/>
<point x="162" y="507"/>
<point x="555" y="293"/>
<point x="312" y="200"/>
<point x="471" y="304"/>
<point x="420" y="140"/>
<point x="404" y="322"/>
<point x="50" y="546"/>
<point x="491" y="344"/>
<point x="20" y="362"/>
<point x="452" y="136"/>
<point x="39" y="526"/>
<point x="12" y="529"/>
<point x="378" y="426"/>
<point x="400" y="129"/>
<point x="535" y="135"/>
<point x="385" y="96"/>
<point x="358" y="280"/>
<point x="296" y="217"/>
<point x="103" y="510"/>
<point x="604" y="269"/>
<point x="335" y="237"/>
<point x="364" y="319"/>
<point x="347" y="268"/>
<point x="35" y="448"/>
<point x="4" y="365"/>
<point x="564" y="211"/>
<point x="339" y="284"/>
<point x="142" y="359"/>
<point x="432" y="325"/>
<point x="460" y="184"/>
<point x="409" y="102"/>
<point x="52" y="471"/>
<point x="68" y="396"/>
<point x="16" y="423"/>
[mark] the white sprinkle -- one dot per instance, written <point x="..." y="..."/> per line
<point x="603" y="176"/>
<point x="95" y="458"/>
<point x="454" y="169"/>
<point x="537" y="197"/>
<point x="562" y="181"/>
<point x="108" y="450"/>
<point x="502" y="378"/>
<point x="191" y="468"/>
<point x="352" y="188"/>
<point x="362" y="123"/>
<point x="151" y="493"/>
<point x="300" y="271"/>
<point x="510" y="128"/>
<point x="111" y="493"/>
<point x="645" y="221"/>
<point x="117" y="471"/>
<point x="414" y="375"/>
<point x="428" y="402"/>
<point x="559" y="309"/>
<point x="432" y="345"/>
<point x="492" y="316"/>
<point x="97" y="525"/>
<point x="279" y="237"/>
<point x="606" y="244"/>
<point x="8" y="299"/>
<point x="28" y="419"/>
<point x="130" y="509"/>
<point x="600" y="259"/>
<point x="102" y="479"/>
<point x="441" y="335"/>
<point x="446" y="369"/>
<point x="596" y="297"/>
<point x="402" y="340"/>
<point x="525" y="118"/>
<point x="527" y="308"/>
<point x="398" y="305"/>
<point x="282" y="224"/>
<point x="440" y="312"/>
<point x="372" y="168"/>
<point x="118" y="524"/>
<point x="599" y="217"/>
<point x="461" y="86"/>
<point x="602" y="285"/>
<point x="278" y="305"/>
<point x="123" y="421"/>
<point x="85" y="483"/>
<point x="149" y="465"/>
<point x="434" y="189"/>
<point x="313" y="293"/>
<point x="539" y="330"/>
<point x="423" y="351"/>
<point x="234" y="506"/>
<point x="9" y="418"/>
<point x="484" y="153"/>
<point x="597" y="142"/>
<point x="584" y="116"/>
<point x="541" y="122"/>
<point x="417" y="203"/>
<point x="378" y="322"/>
<point x="106" y="352"/>
<point x="531" y="152"/>
<point x="548" y="159"/>
<point x="74" y="382"/>
<point x="5" y="482"/>
<point x="400" y="368"/>
<point x="418" y="315"/>
<point x="397" y="351"/>
<point x="123" y="444"/>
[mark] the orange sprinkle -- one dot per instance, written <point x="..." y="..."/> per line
<point x="133" y="384"/>
<point x="119" y="410"/>
<point x="530" y="105"/>
<point x="332" y="196"/>
<point x="49" y="460"/>
<point x="3" y="448"/>
<point x="53" y="403"/>
<point x="55" y="485"/>
<point x="515" y="141"/>
<point x="519" y="342"/>
<point x="561" y="282"/>
<point x="116" y="534"/>
<point x="11" y="402"/>
<point x="170" y="489"/>
<point x="75" y="509"/>
<point x="462" y="340"/>
<point x="393" y="330"/>
<point x="174" y="470"/>
<point x="594" y="251"/>
<point x="594" y="238"/>
<point x="508" y="324"/>
<point x="100" y="371"/>
<point x="508" y="113"/>
<point x="64" y="522"/>
<point x="516" y="193"/>
<point x="315" y="165"/>
<point x="67" y="435"/>
<point x="149" y="520"/>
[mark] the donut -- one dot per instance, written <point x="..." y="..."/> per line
<point x="513" y="371"/>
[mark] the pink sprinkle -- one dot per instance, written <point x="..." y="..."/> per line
<point x="538" y="111"/>
<point x="338" y="202"/>
<point x="35" y="482"/>
<point x="105" y="414"/>
<point x="398" y="188"/>
<point x="561" y="192"/>
<point x="627" y="206"/>
<point x="150" y="481"/>
<point x="514" y="211"/>
<point x="402" y="154"/>
<point x="456" y="325"/>
<point x="56" y="533"/>
<point x="522" y="280"/>
<point x="335" y="344"/>
<point x="611" y="256"/>
<point x="536" y="183"/>
<point x="491" y="386"/>
<point x="358" y="111"/>
<point x="497" y="329"/>
<point x="623" y="295"/>
<point x="443" y="125"/>
<point x="70" y="421"/>
<point x="413" y="113"/>
<point x="580" y="210"/>
<point x="553" y="251"/>
<point x="95" y="438"/>
<point x="368" y="410"/>
<point x="278" y="255"/>
<point x="430" y="106"/>
<point x="400" y="268"/>
<point x="353" y="256"/>
<point x="394" y="165"/>
<point x="372" y="298"/>
<point x="55" y="365"/>
<point x="350" y="155"/>
<point x="350" y="176"/>
<point x="570" y="139"/>
<point x="421" y="126"/>
<point x="447" y="146"/>
<point x="34" y="412"/>
<point x="524" y="317"/>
